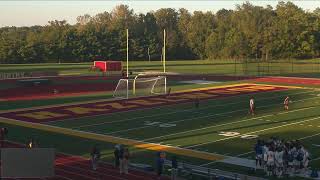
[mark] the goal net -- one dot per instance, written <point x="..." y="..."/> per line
<point x="146" y="86"/>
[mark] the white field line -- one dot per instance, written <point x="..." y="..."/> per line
<point x="253" y="132"/>
<point x="188" y="119"/>
<point x="169" y="113"/>
<point x="316" y="159"/>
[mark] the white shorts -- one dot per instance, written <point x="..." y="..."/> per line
<point x="270" y="163"/>
<point x="279" y="164"/>
<point x="259" y="156"/>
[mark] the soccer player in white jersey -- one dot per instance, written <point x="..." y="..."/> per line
<point x="270" y="161"/>
<point x="286" y="103"/>
<point x="252" y="106"/>
<point x="279" y="161"/>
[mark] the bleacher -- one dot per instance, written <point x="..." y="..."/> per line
<point x="208" y="173"/>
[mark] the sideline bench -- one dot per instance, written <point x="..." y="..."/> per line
<point x="191" y="170"/>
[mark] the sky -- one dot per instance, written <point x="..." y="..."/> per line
<point x="28" y="13"/>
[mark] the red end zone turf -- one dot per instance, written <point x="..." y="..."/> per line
<point x="77" y="168"/>
<point x="46" y="114"/>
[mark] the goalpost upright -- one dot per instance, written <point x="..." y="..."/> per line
<point x="164" y="59"/>
<point x="127" y="63"/>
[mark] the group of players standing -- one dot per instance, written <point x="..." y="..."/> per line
<point x="277" y="157"/>
<point x="280" y="158"/>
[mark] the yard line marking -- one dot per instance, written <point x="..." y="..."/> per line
<point x="297" y="110"/>
<point x="316" y="159"/>
<point x="162" y="114"/>
<point x="306" y="137"/>
<point x="249" y="133"/>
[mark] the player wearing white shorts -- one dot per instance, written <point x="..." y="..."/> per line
<point x="286" y="103"/>
<point x="305" y="161"/>
<point x="265" y="157"/>
<point x="279" y="161"/>
<point x="252" y="106"/>
<point x="270" y="162"/>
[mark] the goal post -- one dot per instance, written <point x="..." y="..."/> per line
<point x="140" y="86"/>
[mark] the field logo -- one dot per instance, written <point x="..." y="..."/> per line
<point x="237" y="134"/>
<point x="162" y="125"/>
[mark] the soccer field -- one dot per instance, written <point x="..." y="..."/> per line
<point x="219" y="128"/>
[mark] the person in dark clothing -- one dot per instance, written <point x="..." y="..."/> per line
<point x="95" y="157"/>
<point x="3" y="133"/>
<point x="159" y="164"/>
<point x="196" y="102"/>
<point x="174" y="168"/>
<point x="121" y="159"/>
<point x="168" y="93"/>
<point x="117" y="155"/>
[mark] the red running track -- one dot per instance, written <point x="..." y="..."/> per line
<point x="69" y="167"/>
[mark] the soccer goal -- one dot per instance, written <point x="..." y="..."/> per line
<point x="140" y="86"/>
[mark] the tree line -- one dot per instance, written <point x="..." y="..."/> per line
<point x="247" y="32"/>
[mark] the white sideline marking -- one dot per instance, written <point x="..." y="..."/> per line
<point x="253" y="132"/>
<point x="142" y="117"/>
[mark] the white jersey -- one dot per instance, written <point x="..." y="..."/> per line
<point x="251" y="102"/>
<point x="265" y="151"/>
<point x="270" y="155"/>
<point x="279" y="157"/>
